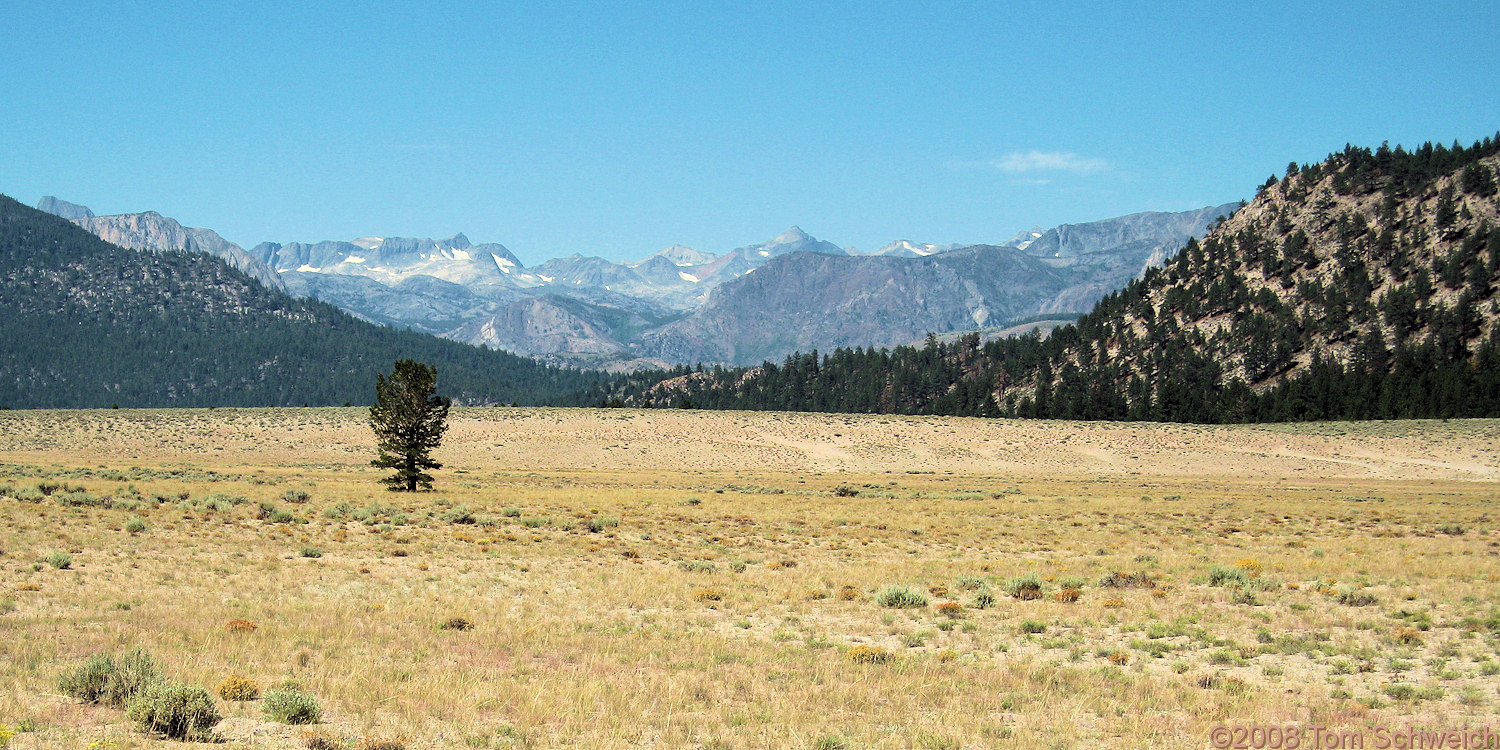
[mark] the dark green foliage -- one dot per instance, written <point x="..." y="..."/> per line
<point x="111" y="681"/>
<point x="181" y="712"/>
<point x="409" y="419"/>
<point x="89" y="324"/>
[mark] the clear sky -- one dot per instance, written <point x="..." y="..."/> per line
<point x="615" y="129"/>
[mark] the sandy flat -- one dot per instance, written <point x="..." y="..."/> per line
<point x="509" y="439"/>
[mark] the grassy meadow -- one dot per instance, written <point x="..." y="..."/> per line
<point x="622" y="579"/>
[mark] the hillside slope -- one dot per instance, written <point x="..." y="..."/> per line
<point x="1361" y="287"/>
<point x="85" y="323"/>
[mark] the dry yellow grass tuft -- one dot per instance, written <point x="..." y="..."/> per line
<point x="313" y="739"/>
<point x="868" y="655"/>
<point x="237" y="688"/>
<point x="381" y="744"/>
<point x="708" y="595"/>
<point x="952" y="610"/>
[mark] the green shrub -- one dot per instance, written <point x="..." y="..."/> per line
<point x="107" y="680"/>
<point x="535" y="522"/>
<point x="290" y="705"/>
<point x="135" y="526"/>
<point x="968" y="583"/>
<point x="295" y="496"/>
<point x="984" y="599"/>
<point x="80" y="499"/>
<point x="60" y="560"/>
<point x="1028" y="586"/>
<point x="459" y="514"/>
<point x="282" y="516"/>
<point x="511" y="512"/>
<point x="1033" y="626"/>
<point x="312" y="552"/>
<point x="1220" y="575"/>
<point x="600" y="523"/>
<point x="1225" y="658"/>
<point x="181" y="712"/>
<point x="900" y="597"/>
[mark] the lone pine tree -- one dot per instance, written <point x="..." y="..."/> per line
<point x="409" y="419"/>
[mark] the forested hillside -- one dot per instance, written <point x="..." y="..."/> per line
<point x="1361" y="287"/>
<point x="88" y="324"/>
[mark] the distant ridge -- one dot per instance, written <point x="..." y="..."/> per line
<point x="86" y="323"/>
<point x="685" y="305"/>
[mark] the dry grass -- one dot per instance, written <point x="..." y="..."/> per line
<point x="730" y="599"/>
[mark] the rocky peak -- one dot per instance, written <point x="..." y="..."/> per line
<point x="58" y="207"/>
<point x="791" y="236"/>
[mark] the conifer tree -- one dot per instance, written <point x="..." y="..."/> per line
<point x="409" y="419"/>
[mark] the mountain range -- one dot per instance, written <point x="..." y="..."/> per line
<point x="89" y="323"/>
<point x="682" y="305"/>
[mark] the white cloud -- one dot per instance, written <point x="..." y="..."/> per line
<point x="1055" y="161"/>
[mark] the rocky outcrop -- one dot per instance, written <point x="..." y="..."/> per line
<point x="58" y="207"/>
<point x="153" y="232"/>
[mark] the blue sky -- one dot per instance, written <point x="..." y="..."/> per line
<point x="615" y="129"/>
